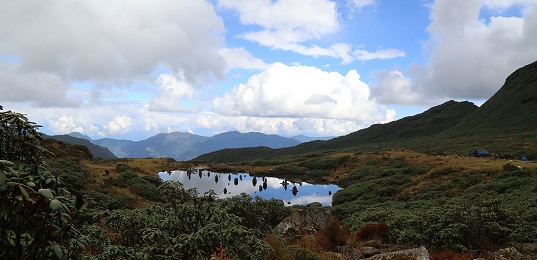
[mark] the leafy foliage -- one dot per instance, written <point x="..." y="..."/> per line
<point x="35" y="212"/>
<point x="474" y="210"/>
<point x="255" y="212"/>
<point x="177" y="230"/>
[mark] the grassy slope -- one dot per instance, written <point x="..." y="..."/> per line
<point x="393" y="134"/>
<point x="505" y="124"/>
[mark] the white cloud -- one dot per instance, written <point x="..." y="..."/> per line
<point x="471" y="57"/>
<point x="119" y="125"/>
<point x="292" y="21"/>
<point x="47" y="89"/>
<point x="284" y="125"/>
<point x="109" y="42"/>
<point x="301" y="91"/>
<point x="239" y="58"/>
<point x="393" y="87"/>
<point x="66" y="124"/>
<point x="295" y="25"/>
<point x="172" y="90"/>
<point x="382" y="54"/>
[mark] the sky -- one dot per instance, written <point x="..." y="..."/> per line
<point x="131" y="69"/>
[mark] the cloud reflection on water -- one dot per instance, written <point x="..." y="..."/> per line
<point x="307" y="192"/>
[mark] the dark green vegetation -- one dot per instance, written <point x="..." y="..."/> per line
<point x="56" y="209"/>
<point x="36" y="210"/>
<point x="457" y="209"/>
<point x="505" y="124"/>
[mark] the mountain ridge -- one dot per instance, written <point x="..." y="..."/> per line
<point x="185" y="146"/>
<point x="96" y="150"/>
<point x="506" y="124"/>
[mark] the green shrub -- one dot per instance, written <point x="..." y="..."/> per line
<point x="291" y="169"/>
<point x="442" y="172"/>
<point x="398" y="162"/>
<point x="298" y="252"/>
<point x="71" y="172"/>
<point x="319" y="173"/>
<point x="509" y="167"/>
<point x="36" y="212"/>
<point x="255" y="212"/>
<point x="176" y="230"/>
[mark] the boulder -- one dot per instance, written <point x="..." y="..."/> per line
<point x="349" y="252"/>
<point x="368" y="251"/>
<point x="420" y="253"/>
<point x="306" y="221"/>
<point x="509" y="253"/>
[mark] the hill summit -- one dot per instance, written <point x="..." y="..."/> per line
<point x="513" y="107"/>
<point x="505" y="124"/>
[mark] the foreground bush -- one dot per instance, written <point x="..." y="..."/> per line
<point x="35" y="210"/>
<point x="177" y="230"/>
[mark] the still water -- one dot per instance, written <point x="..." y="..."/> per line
<point x="228" y="185"/>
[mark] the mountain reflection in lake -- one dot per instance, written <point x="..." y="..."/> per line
<point x="227" y="185"/>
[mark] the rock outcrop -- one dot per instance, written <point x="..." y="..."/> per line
<point x="420" y="253"/>
<point x="303" y="222"/>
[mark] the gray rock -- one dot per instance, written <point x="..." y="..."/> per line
<point x="529" y="248"/>
<point x="368" y="251"/>
<point x="509" y="253"/>
<point x="420" y="253"/>
<point x="307" y="221"/>
<point x="349" y="252"/>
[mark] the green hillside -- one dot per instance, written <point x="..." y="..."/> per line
<point x="513" y="107"/>
<point x="505" y="124"/>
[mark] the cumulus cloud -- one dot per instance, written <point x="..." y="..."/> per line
<point x="284" y="125"/>
<point x="172" y="90"/>
<point x="47" y="89"/>
<point x="302" y="91"/>
<point x="294" y="26"/>
<point x="66" y="124"/>
<point x="470" y="57"/>
<point x="393" y="87"/>
<point x="108" y="42"/>
<point x="119" y="125"/>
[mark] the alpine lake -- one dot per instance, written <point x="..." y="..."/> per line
<point x="227" y="185"/>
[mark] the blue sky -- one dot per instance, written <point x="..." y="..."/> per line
<point x="132" y="69"/>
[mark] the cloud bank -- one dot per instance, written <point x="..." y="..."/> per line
<point x="302" y="92"/>
<point x="470" y="57"/>
<point x="54" y="43"/>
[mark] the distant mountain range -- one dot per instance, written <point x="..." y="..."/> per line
<point x="95" y="150"/>
<point x="505" y="124"/>
<point x="178" y="145"/>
